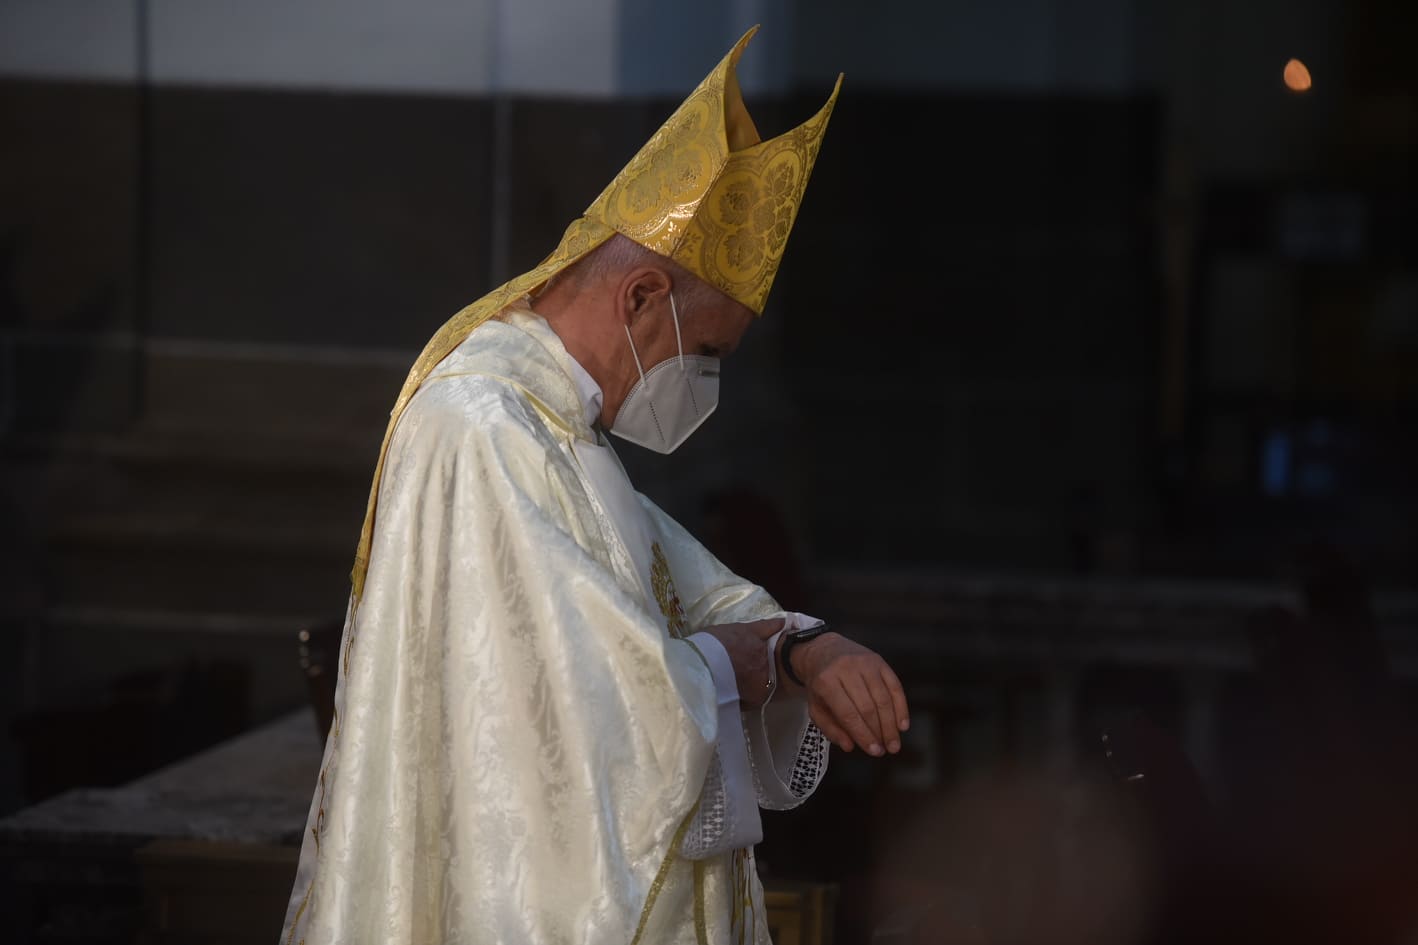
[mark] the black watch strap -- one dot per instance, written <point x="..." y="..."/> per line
<point x="791" y="639"/>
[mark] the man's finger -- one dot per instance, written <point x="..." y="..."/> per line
<point x="822" y="717"/>
<point x="859" y="690"/>
<point x="898" y="697"/>
<point x="885" y="713"/>
<point x="848" y="714"/>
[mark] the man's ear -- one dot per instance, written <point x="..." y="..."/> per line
<point x="643" y="290"/>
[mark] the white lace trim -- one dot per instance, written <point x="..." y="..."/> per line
<point x="783" y="783"/>
<point x="715" y="818"/>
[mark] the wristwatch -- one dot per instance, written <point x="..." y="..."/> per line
<point x="791" y="639"/>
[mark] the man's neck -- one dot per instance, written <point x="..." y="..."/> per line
<point x="589" y="391"/>
<point x="587" y="348"/>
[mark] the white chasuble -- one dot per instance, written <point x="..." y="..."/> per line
<point x="526" y="746"/>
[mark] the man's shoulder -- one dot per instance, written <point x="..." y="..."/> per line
<point x="473" y="404"/>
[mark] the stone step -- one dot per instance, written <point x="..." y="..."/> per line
<point x="221" y="390"/>
<point x="188" y="522"/>
<point x="77" y="655"/>
<point x="74" y="480"/>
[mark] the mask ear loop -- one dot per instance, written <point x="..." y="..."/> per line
<point x="634" y="354"/>
<point x="674" y="310"/>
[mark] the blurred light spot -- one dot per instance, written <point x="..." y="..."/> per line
<point x="1297" y="77"/>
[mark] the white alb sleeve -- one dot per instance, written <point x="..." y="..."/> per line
<point x="727" y="818"/>
<point x="787" y="751"/>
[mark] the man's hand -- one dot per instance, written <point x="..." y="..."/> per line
<point x="746" y="644"/>
<point x="853" y="695"/>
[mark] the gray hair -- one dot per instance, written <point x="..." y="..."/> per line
<point x="619" y="255"/>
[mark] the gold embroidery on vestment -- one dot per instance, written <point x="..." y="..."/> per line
<point x="663" y="583"/>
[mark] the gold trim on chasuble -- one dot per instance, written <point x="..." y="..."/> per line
<point x="663" y="874"/>
<point x="701" y="927"/>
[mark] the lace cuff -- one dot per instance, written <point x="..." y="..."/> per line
<point x="787" y="752"/>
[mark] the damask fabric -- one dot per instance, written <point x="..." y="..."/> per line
<point x="522" y="735"/>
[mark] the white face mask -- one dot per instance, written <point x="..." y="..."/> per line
<point x="671" y="400"/>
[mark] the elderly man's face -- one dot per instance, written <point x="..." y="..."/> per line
<point x="710" y="325"/>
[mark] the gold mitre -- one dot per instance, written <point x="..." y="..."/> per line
<point x="704" y="191"/>
<point x="709" y="194"/>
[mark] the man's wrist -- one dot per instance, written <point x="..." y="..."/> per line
<point x="795" y="641"/>
<point x="792" y="670"/>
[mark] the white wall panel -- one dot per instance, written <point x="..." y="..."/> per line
<point x="69" y="39"/>
<point x="412" y="45"/>
<point x="557" y="47"/>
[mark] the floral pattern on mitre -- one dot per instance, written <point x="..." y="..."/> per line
<point x="746" y="217"/>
